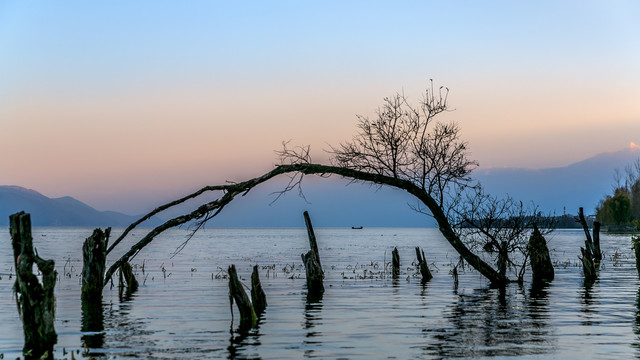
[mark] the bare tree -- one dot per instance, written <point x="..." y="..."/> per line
<point x="499" y="227"/>
<point x="403" y="146"/>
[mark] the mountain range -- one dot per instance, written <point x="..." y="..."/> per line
<point x="581" y="184"/>
<point x="339" y="203"/>
<point x="64" y="211"/>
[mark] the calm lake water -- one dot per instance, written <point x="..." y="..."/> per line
<point x="182" y="307"/>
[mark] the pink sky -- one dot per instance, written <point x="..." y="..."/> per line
<point x="118" y="105"/>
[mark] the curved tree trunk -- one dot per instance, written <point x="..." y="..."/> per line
<point x="211" y="209"/>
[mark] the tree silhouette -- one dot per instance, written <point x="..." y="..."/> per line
<point x="402" y="146"/>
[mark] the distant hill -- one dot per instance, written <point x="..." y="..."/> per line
<point x="581" y="184"/>
<point x="64" y="211"/>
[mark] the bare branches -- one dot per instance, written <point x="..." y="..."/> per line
<point x="498" y="226"/>
<point x="232" y="190"/>
<point x="402" y="141"/>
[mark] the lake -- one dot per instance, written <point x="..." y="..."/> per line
<point x="181" y="310"/>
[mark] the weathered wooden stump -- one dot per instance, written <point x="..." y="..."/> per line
<point x="395" y="263"/>
<point x="424" y="269"/>
<point x="94" y="257"/>
<point x="597" y="255"/>
<point x="588" y="266"/>
<point x="248" y="318"/>
<point x="36" y="302"/>
<point x="311" y="261"/>
<point x="590" y="243"/>
<point x="541" y="265"/>
<point x="258" y="297"/>
<point x="589" y="253"/>
<point x="127" y="280"/>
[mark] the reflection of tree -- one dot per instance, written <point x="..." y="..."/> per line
<point x="312" y="318"/>
<point x="587" y="300"/>
<point x="127" y="331"/>
<point x="490" y="322"/>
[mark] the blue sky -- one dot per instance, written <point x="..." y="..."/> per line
<point x="135" y="99"/>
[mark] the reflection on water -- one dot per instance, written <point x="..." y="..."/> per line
<point x="92" y="324"/>
<point x="312" y="319"/>
<point x="492" y="322"/>
<point x="181" y="310"/>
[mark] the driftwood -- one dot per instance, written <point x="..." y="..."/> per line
<point x="395" y="263"/>
<point x="258" y="297"/>
<point x="311" y="261"/>
<point x="422" y="264"/>
<point x="541" y="265"/>
<point x="94" y="257"/>
<point x="248" y="318"/>
<point x="36" y="302"/>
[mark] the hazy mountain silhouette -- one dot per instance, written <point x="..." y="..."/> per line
<point x="332" y="203"/>
<point x="581" y="184"/>
<point x="64" y="211"/>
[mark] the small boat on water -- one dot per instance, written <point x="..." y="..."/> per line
<point x="356" y="227"/>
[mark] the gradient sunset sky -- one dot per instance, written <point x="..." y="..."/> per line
<point x="115" y="102"/>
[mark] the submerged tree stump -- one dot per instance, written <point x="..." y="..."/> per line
<point x="36" y="302"/>
<point x="311" y="261"/>
<point x="248" y="318"/>
<point x="541" y="265"/>
<point x="591" y="244"/>
<point x="588" y="266"/>
<point x="127" y="280"/>
<point x="258" y="297"/>
<point x="94" y="257"/>
<point x="395" y="263"/>
<point x="597" y="255"/>
<point x="424" y="269"/>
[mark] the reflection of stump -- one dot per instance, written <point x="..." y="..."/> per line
<point x="94" y="256"/>
<point x="422" y="264"/>
<point x="395" y="263"/>
<point x="311" y="261"/>
<point x="258" y="297"/>
<point x="36" y="302"/>
<point x="248" y="318"/>
<point x="541" y="265"/>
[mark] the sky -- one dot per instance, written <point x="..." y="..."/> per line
<point x="124" y="105"/>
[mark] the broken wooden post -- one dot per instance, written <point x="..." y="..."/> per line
<point x="541" y="265"/>
<point x="422" y="264"/>
<point x="395" y="263"/>
<point x="248" y="318"/>
<point x="597" y="254"/>
<point x="94" y="257"/>
<point x="258" y="297"/>
<point x="588" y="266"/>
<point x="311" y="261"/>
<point x="36" y="302"/>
